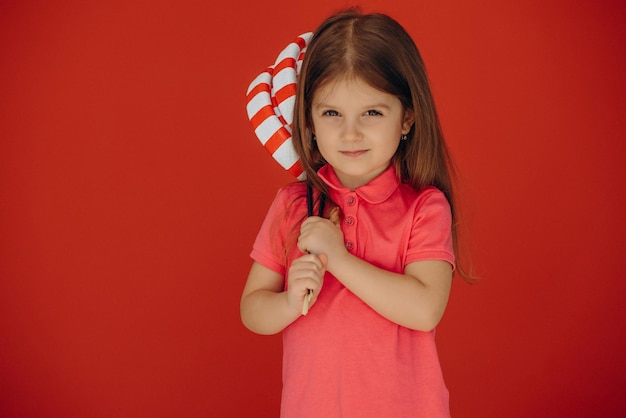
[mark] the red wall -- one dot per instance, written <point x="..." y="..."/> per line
<point x="132" y="186"/>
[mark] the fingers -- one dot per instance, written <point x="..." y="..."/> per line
<point x="313" y="220"/>
<point x="306" y="272"/>
<point x="308" y="232"/>
<point x="318" y="235"/>
<point x="308" y="261"/>
<point x="305" y="279"/>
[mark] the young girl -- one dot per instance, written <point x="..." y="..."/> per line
<point x="376" y="268"/>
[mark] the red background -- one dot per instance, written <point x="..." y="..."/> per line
<point x="132" y="186"/>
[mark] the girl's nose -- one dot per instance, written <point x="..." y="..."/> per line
<point x="351" y="131"/>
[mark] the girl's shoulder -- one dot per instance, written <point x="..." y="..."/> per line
<point x="423" y="194"/>
<point x="296" y="187"/>
<point x="291" y="192"/>
<point x="428" y="198"/>
<point x="430" y="192"/>
<point x="431" y="201"/>
<point x="290" y="201"/>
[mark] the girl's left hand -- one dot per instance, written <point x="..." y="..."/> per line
<point x="321" y="236"/>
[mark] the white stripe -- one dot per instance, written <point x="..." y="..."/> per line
<point x="291" y="51"/>
<point x="287" y="108"/>
<point x="260" y="100"/>
<point x="267" y="128"/>
<point x="286" y="154"/>
<point x="284" y="77"/>
<point x="307" y="38"/>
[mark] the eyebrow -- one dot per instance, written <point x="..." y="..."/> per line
<point x="372" y="106"/>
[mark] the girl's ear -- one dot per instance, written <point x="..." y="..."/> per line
<point x="407" y="122"/>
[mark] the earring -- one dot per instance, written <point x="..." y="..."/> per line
<point x="313" y="137"/>
<point x="403" y="137"/>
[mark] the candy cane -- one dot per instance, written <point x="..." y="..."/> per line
<point x="270" y="104"/>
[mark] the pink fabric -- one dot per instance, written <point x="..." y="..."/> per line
<point x="343" y="359"/>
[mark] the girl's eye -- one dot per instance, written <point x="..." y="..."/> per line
<point x="330" y="113"/>
<point x="372" y="113"/>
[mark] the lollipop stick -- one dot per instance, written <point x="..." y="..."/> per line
<point x="307" y="302"/>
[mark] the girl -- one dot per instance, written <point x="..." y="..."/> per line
<point x="376" y="267"/>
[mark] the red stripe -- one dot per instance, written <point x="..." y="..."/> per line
<point x="285" y="63"/>
<point x="260" y="116"/>
<point x="286" y="92"/>
<point x="301" y="42"/>
<point x="259" y="88"/>
<point x="295" y="169"/>
<point x="276" y="140"/>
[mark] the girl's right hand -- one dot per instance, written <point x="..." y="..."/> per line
<point x="305" y="273"/>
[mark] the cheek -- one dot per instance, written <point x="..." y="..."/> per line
<point x="392" y="147"/>
<point x="323" y="133"/>
<point x="324" y="147"/>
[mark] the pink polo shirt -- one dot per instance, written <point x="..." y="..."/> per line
<point x="343" y="359"/>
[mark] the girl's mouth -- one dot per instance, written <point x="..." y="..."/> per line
<point x="353" y="153"/>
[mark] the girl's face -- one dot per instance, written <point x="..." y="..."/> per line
<point x="357" y="129"/>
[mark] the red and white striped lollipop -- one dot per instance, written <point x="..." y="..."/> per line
<point x="270" y="104"/>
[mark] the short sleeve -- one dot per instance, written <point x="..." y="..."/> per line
<point x="269" y="248"/>
<point x="431" y="232"/>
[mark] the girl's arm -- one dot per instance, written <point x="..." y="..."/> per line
<point x="266" y="308"/>
<point x="416" y="299"/>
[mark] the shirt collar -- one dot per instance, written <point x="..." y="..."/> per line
<point x="376" y="191"/>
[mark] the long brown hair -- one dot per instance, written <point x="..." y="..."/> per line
<point x="376" y="49"/>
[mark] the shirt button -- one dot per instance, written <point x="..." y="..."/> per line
<point x="351" y="200"/>
<point x="349" y="246"/>
<point x="349" y="221"/>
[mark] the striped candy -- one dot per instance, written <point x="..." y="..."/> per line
<point x="270" y="104"/>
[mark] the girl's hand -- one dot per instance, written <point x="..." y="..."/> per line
<point x="306" y="273"/>
<point x="322" y="236"/>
